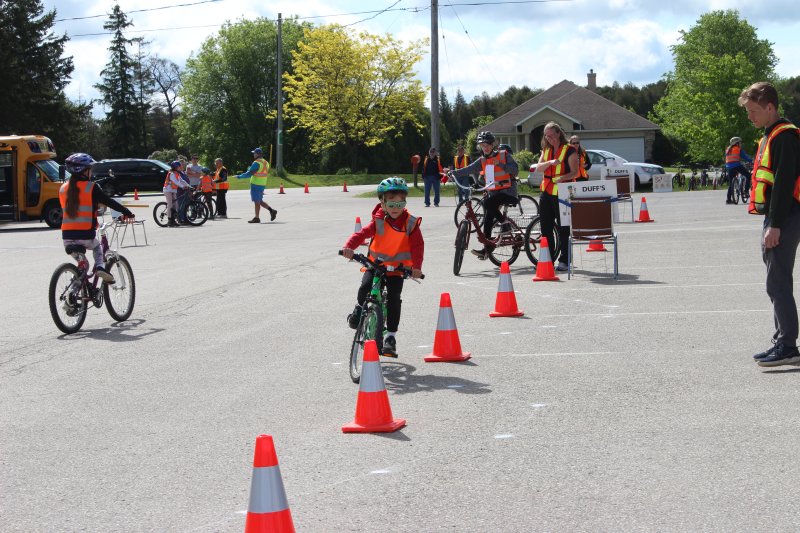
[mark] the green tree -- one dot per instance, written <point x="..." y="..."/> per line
<point x="229" y="93"/>
<point x="461" y="116"/>
<point x="118" y="91"/>
<point x="714" y="61"/>
<point x="789" y="91"/>
<point x="356" y="91"/>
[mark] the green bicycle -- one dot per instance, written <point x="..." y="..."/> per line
<point x="373" y="315"/>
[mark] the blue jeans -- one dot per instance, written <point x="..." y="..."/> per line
<point x="463" y="193"/>
<point x="432" y="181"/>
<point x="732" y="172"/>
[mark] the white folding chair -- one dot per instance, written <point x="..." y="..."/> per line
<point x="592" y="220"/>
<point x="120" y="225"/>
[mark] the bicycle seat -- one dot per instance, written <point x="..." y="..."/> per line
<point x="75" y="249"/>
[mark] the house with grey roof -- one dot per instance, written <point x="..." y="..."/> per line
<point x="600" y="123"/>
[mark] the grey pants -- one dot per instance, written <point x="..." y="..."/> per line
<point x="90" y="244"/>
<point x="780" y="264"/>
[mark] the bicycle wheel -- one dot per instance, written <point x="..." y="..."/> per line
<point x="196" y="213"/>
<point x="66" y="304"/>
<point x="213" y="209"/>
<point x="461" y="212"/>
<point x="737" y="191"/>
<point x="462" y="241"/>
<point x="506" y="248"/>
<point x="745" y="191"/>
<point x="120" y="296"/>
<point x="527" y="207"/>
<point x="533" y="237"/>
<point x="161" y="214"/>
<point x="369" y="328"/>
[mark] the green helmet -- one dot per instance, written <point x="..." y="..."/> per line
<point x="392" y="184"/>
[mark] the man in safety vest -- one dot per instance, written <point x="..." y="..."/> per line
<point x="221" y="185"/>
<point x="207" y="188"/>
<point x="432" y="172"/>
<point x="776" y="194"/>
<point x="734" y="154"/>
<point x="499" y="169"/>
<point x="461" y="160"/>
<point x="258" y="182"/>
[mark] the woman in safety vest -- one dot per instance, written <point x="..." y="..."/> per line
<point x="500" y="184"/>
<point x="583" y="158"/>
<point x="560" y="163"/>
<point x="79" y="198"/>
<point x="734" y="154"/>
<point x="173" y="183"/>
<point x="207" y="188"/>
<point x="221" y="185"/>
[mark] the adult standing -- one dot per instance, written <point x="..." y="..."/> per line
<point x="194" y="172"/>
<point x="257" y="173"/>
<point x="559" y="162"/>
<point x="734" y="154"/>
<point x="221" y="185"/>
<point x="583" y="158"/>
<point x="775" y="195"/>
<point x="462" y="160"/>
<point x="431" y="176"/>
<point x="173" y="184"/>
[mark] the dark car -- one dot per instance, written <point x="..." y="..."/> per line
<point x="129" y="174"/>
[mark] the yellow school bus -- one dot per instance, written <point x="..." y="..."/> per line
<point x="29" y="180"/>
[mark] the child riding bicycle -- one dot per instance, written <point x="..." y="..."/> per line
<point x="79" y="198"/>
<point x="396" y="240"/>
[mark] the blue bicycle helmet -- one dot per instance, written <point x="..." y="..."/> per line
<point x="206" y="170"/>
<point x="77" y="163"/>
<point x="175" y="165"/>
<point x="392" y="184"/>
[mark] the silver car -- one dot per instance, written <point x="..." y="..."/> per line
<point x="600" y="159"/>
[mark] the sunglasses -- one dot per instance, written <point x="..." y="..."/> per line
<point x="575" y="143"/>
<point x="396" y="205"/>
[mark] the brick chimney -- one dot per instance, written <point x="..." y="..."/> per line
<point x="592" y="80"/>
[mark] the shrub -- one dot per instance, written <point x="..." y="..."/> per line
<point x="524" y="158"/>
<point x="344" y="171"/>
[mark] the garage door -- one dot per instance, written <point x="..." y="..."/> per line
<point x="631" y="148"/>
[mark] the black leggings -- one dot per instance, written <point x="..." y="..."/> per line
<point x="222" y="204"/>
<point x="548" y="211"/>
<point x="394" y="289"/>
<point x="491" y="210"/>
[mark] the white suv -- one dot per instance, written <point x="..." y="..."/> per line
<point x="600" y="159"/>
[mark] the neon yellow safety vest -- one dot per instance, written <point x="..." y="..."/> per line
<point x="259" y="177"/>
<point x="764" y="175"/>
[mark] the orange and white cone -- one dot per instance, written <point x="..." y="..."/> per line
<point x="544" y="268"/>
<point x="306" y="189"/>
<point x="344" y="188"/>
<point x="644" y="214"/>
<point x="281" y="191"/>
<point x="596" y="246"/>
<point x="506" y="302"/>
<point x="135" y="194"/>
<point x="358" y="225"/>
<point x="268" y="510"/>
<point x="373" y="412"/>
<point x="446" y="346"/>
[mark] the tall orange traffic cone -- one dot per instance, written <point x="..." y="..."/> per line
<point x="135" y="193"/>
<point x="596" y="246"/>
<point x="446" y="346"/>
<point x="358" y="225"/>
<point x="281" y="191"/>
<point x="644" y="214"/>
<point x="306" y="189"/>
<point x="268" y="510"/>
<point x="544" y="268"/>
<point x="344" y="189"/>
<point x="373" y="412"/>
<point x="506" y="302"/>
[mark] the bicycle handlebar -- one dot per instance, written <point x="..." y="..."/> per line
<point x="468" y="187"/>
<point x="378" y="265"/>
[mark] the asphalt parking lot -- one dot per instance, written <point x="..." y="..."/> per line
<point x="610" y="405"/>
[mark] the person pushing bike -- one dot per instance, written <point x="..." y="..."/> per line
<point x="734" y="154"/>
<point x="396" y="240"/>
<point x="79" y="198"/>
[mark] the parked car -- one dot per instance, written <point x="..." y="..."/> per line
<point x="130" y="174"/>
<point x="600" y="159"/>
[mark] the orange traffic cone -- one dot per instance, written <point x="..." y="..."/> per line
<point x="373" y="412"/>
<point x="281" y="191"/>
<point x="644" y="214"/>
<point x="135" y="194"/>
<point x="446" y="346"/>
<point x="506" y="302"/>
<point x="544" y="268"/>
<point x="358" y="225"/>
<point x="344" y="189"/>
<point x="596" y="246"/>
<point x="268" y="509"/>
<point x="306" y="189"/>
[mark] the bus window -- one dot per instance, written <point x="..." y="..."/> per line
<point x="33" y="186"/>
<point x="50" y="170"/>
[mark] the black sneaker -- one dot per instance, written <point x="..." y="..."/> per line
<point x="783" y="355"/>
<point x="765" y="353"/>
<point x="255" y="220"/>
<point x="480" y="254"/>
<point x="105" y="275"/>
<point x="272" y="214"/>
<point x="354" y="318"/>
<point x="390" y="346"/>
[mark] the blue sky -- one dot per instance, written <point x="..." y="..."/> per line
<point x="481" y="48"/>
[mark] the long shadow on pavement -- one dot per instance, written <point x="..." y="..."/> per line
<point x="401" y="379"/>
<point x="126" y="331"/>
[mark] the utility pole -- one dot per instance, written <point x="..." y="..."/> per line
<point x="279" y="133"/>
<point x="435" y="74"/>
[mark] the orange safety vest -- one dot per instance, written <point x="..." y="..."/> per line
<point x="502" y="179"/>
<point x="764" y="176"/>
<point x="84" y="218"/>
<point x="733" y="154"/>
<point x="460" y="164"/>
<point x="222" y="185"/>
<point x="168" y="184"/>
<point x="205" y="183"/>
<point x="582" y="174"/>
<point x="391" y="246"/>
<point x="552" y="174"/>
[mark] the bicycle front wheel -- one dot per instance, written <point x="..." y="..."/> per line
<point x="66" y="303"/>
<point x="370" y="328"/>
<point x="526" y="209"/>
<point x="462" y="240"/>
<point x="161" y="214"/>
<point x="737" y="192"/>
<point x="196" y="213"/>
<point x="506" y="241"/>
<point x="120" y="296"/>
<point x="461" y="212"/>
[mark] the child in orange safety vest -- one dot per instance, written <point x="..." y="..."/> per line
<point x="397" y="240"/>
<point x="207" y="188"/>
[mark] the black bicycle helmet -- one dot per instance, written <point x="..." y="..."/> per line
<point x="505" y="147"/>
<point x="485" y="137"/>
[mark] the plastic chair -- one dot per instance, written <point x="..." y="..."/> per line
<point x="592" y="220"/>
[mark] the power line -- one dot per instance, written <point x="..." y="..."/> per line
<point x="373" y="16"/>
<point x="140" y="10"/>
<point x="473" y="42"/>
